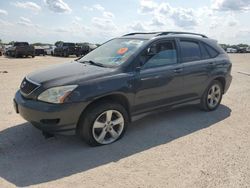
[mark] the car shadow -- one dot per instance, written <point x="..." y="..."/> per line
<point x="26" y="158"/>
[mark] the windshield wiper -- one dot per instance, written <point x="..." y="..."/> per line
<point x="93" y="63"/>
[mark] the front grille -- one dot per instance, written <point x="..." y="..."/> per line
<point x="27" y="86"/>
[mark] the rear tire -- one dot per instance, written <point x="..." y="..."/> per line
<point x="103" y="123"/>
<point x="212" y="96"/>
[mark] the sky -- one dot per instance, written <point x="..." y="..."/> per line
<point x="97" y="21"/>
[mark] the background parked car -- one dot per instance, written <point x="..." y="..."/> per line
<point x="5" y="48"/>
<point x="49" y="50"/>
<point x="242" y="50"/>
<point x="85" y="48"/>
<point x="1" y="50"/>
<point x="20" y="49"/>
<point x="248" y="50"/>
<point x="64" y="49"/>
<point x="39" y="51"/>
<point x="231" y="50"/>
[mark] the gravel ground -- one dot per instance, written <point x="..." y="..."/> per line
<point x="181" y="148"/>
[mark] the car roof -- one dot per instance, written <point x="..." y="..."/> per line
<point x="173" y="34"/>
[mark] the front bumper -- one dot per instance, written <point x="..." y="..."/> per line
<point x="48" y="117"/>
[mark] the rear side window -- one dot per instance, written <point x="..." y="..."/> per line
<point x="190" y="51"/>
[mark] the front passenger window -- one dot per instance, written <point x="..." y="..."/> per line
<point x="160" y="54"/>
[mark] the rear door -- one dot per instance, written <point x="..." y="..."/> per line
<point x="197" y="67"/>
<point x="159" y="81"/>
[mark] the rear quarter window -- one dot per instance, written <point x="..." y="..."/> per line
<point x="212" y="52"/>
<point x="204" y="52"/>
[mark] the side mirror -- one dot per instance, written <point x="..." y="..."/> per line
<point x="151" y="51"/>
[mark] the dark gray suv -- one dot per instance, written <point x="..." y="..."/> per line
<point x="96" y="95"/>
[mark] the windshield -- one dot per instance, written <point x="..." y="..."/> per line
<point x="68" y="44"/>
<point x="114" y="52"/>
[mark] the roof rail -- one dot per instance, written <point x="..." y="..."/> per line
<point x="165" y="33"/>
<point x="187" y="33"/>
<point x="142" y="33"/>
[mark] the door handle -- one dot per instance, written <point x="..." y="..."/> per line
<point x="212" y="63"/>
<point x="178" y="70"/>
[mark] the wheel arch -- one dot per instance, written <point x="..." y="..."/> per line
<point x="222" y="80"/>
<point x="114" y="98"/>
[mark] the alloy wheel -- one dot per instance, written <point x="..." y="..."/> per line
<point x="108" y="127"/>
<point x="214" y="96"/>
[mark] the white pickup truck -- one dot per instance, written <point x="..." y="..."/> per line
<point x="231" y="50"/>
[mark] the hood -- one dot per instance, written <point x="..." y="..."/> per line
<point x="68" y="73"/>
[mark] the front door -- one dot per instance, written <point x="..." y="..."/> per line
<point x="159" y="82"/>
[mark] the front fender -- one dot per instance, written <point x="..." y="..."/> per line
<point x="121" y="84"/>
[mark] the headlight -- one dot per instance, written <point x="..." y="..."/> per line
<point x="56" y="94"/>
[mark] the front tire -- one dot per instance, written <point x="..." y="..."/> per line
<point x="103" y="123"/>
<point x="212" y="96"/>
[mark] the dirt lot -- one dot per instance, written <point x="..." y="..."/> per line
<point x="181" y="148"/>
